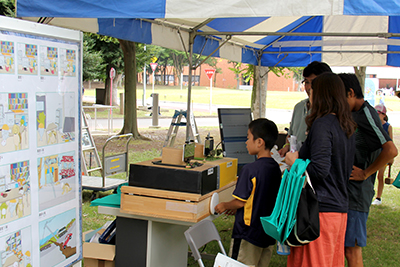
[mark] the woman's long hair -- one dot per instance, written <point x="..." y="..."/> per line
<point x="329" y="96"/>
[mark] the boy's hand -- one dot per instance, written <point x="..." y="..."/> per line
<point x="229" y="207"/>
<point x="220" y="208"/>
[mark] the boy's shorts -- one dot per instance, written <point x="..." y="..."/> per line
<point x="249" y="254"/>
<point x="356" y="231"/>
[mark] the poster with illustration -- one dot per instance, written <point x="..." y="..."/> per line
<point x="55" y="118"/>
<point x="48" y="61"/>
<point x="68" y="62"/>
<point x="40" y="175"/>
<point x="7" y="57"/>
<point x="58" y="239"/>
<point x="14" y="117"/>
<point x="15" y="191"/>
<point x="27" y="59"/>
<point x="16" y="248"/>
<point x="57" y="179"/>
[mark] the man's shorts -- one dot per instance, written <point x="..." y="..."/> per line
<point x="356" y="231"/>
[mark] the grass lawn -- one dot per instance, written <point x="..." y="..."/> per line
<point x="383" y="223"/>
<point x="233" y="97"/>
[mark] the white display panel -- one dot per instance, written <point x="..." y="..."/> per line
<point x="40" y="192"/>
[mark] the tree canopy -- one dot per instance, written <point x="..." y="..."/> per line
<point x="7" y="8"/>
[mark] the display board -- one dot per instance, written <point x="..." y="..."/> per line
<point x="40" y="96"/>
<point x="233" y="125"/>
<point x="371" y="87"/>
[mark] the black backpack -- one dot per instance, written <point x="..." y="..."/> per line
<point x="306" y="228"/>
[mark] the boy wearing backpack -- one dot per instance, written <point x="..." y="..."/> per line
<point x="254" y="197"/>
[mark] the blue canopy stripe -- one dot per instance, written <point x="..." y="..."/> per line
<point x="126" y="29"/>
<point x="394" y="26"/>
<point x="339" y="32"/>
<point x="201" y="9"/>
<point x="86" y="8"/>
<point x="371" y="7"/>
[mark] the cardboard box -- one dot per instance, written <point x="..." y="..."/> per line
<point x="172" y="155"/>
<point x="198" y="180"/>
<point x="96" y="254"/>
<point x="199" y="151"/>
<point x="227" y="170"/>
<point x="171" y="204"/>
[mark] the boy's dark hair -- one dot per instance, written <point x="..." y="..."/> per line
<point x="316" y="68"/>
<point x="350" y="80"/>
<point x="266" y="130"/>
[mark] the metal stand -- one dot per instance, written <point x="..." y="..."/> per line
<point x="174" y="127"/>
<point x="89" y="151"/>
<point x="108" y="166"/>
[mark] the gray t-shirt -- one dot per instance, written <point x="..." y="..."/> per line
<point x="298" y="126"/>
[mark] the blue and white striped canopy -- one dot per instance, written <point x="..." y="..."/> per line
<point x="279" y="33"/>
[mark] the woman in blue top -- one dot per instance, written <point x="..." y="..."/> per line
<point x="330" y="145"/>
<point x="381" y="109"/>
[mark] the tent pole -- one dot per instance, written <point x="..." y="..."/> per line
<point x="189" y="99"/>
<point x="259" y="82"/>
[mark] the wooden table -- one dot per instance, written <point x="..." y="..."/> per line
<point x="146" y="239"/>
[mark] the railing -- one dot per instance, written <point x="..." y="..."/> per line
<point x="110" y="116"/>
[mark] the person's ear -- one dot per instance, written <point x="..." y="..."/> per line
<point x="350" y="93"/>
<point x="260" y="142"/>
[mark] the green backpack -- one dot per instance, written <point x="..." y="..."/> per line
<point x="283" y="217"/>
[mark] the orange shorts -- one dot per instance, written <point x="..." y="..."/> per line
<point x="328" y="249"/>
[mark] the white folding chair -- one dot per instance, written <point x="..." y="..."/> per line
<point x="200" y="234"/>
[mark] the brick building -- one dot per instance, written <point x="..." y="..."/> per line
<point x="226" y="78"/>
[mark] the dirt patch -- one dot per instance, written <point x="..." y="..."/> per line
<point x="157" y="138"/>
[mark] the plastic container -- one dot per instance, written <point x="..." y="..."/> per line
<point x="293" y="143"/>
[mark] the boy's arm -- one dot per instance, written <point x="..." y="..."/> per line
<point x="234" y="204"/>
<point x="389" y="151"/>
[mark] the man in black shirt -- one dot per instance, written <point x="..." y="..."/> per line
<point x="374" y="149"/>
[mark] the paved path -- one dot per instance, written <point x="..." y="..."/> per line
<point x="279" y="116"/>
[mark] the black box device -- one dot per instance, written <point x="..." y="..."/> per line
<point x="199" y="180"/>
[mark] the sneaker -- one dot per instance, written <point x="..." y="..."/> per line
<point x="377" y="202"/>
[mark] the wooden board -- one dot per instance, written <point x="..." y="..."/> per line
<point x="170" y="204"/>
<point x="172" y="155"/>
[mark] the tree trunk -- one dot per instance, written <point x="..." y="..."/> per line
<point x="118" y="80"/>
<point x="259" y="92"/>
<point x="114" y="90"/>
<point x="176" y="76"/>
<point x="130" y="112"/>
<point x="199" y="75"/>
<point x="164" y="74"/>
<point x="361" y="74"/>
<point x="107" y="86"/>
